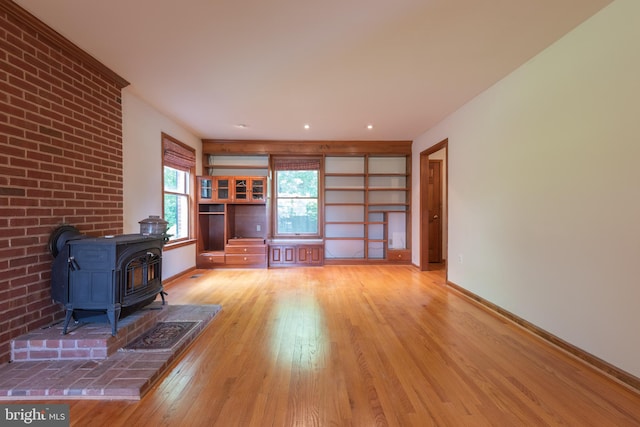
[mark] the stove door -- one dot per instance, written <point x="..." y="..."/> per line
<point x="92" y="279"/>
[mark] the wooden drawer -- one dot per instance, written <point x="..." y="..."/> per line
<point x="210" y="260"/>
<point x="245" y="242"/>
<point x="246" y="260"/>
<point x="234" y="250"/>
<point x="399" y="255"/>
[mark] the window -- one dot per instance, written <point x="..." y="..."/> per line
<point x="178" y="171"/>
<point x="296" y="197"/>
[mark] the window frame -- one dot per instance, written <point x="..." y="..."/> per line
<point x="180" y="156"/>
<point x="284" y="163"/>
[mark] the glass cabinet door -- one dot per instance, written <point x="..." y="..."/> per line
<point x="257" y="190"/>
<point x="222" y="190"/>
<point x="241" y="189"/>
<point x="206" y="186"/>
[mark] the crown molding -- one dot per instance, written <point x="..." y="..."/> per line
<point x="54" y="38"/>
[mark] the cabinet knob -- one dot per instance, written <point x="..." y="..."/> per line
<point x="245" y="249"/>
<point x="245" y="258"/>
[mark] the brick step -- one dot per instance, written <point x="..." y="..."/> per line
<point x="85" y="341"/>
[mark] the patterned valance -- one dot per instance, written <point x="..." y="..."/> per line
<point x="177" y="155"/>
<point x="296" y="164"/>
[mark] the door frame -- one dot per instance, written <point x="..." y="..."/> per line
<point x="424" y="194"/>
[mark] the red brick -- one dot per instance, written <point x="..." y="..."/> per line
<point x="75" y="354"/>
<point x="26" y="103"/>
<point x="22" y="84"/>
<point x="43" y="354"/>
<point x="11" y="69"/>
<point x="43" y="68"/>
<point x="11" y="130"/>
<point x="20" y="355"/>
<point x="12" y="110"/>
<point x="23" y="222"/>
<point x="22" y="46"/>
<point x="53" y="344"/>
<point x="62" y="124"/>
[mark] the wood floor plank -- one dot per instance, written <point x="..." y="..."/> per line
<point x="361" y="346"/>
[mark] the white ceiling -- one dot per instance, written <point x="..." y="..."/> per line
<point x="338" y="65"/>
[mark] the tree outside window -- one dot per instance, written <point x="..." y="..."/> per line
<point x="179" y="162"/>
<point x="297" y="202"/>
<point x="297" y="197"/>
<point x="176" y="203"/>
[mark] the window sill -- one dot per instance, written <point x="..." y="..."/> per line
<point x="181" y="243"/>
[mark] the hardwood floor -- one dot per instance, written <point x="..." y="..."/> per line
<point x="361" y="346"/>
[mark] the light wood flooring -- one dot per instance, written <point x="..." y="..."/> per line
<point x="361" y="346"/>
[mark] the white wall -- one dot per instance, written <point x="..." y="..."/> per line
<point x="544" y="194"/>
<point x="142" y="152"/>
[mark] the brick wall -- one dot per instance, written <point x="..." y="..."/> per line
<point x="60" y="162"/>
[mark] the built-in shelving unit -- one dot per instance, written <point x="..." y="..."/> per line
<point x="366" y="206"/>
<point x="232" y="213"/>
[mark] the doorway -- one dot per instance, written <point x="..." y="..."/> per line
<point x="433" y="206"/>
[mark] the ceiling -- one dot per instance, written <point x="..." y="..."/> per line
<point x="337" y="65"/>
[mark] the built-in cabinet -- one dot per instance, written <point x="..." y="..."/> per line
<point x="228" y="189"/>
<point x="232" y="221"/>
<point x="231" y="234"/>
<point x="289" y="254"/>
<point x="365" y="206"/>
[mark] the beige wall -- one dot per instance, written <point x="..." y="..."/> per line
<point x="544" y="195"/>
<point x="142" y="129"/>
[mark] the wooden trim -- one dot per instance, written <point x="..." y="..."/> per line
<point x="274" y="197"/>
<point x="221" y="146"/>
<point x="180" y="243"/>
<point x="193" y="187"/>
<point x="588" y="358"/>
<point x="59" y="41"/>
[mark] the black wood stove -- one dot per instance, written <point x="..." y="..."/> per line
<point x="98" y="276"/>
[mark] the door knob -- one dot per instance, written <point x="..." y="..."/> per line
<point x="435" y="217"/>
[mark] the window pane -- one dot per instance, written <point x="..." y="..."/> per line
<point x="297" y="216"/>
<point x="297" y="183"/>
<point x="175" y="180"/>
<point x="176" y="213"/>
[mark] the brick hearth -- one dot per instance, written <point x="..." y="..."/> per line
<point x="84" y="340"/>
<point x="88" y="363"/>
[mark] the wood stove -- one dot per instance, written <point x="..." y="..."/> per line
<point x="98" y="276"/>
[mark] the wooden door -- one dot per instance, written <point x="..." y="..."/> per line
<point x="316" y="255"/>
<point x="434" y="210"/>
<point x="425" y="189"/>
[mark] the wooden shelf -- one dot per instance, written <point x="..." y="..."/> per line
<point x="344" y="189"/>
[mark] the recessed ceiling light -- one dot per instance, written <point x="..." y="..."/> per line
<point x="242" y="126"/>
<point x="369" y="126"/>
<point x="306" y="126"/>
